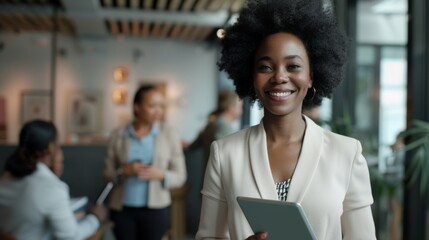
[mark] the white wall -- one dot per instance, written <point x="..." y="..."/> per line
<point x="188" y="68"/>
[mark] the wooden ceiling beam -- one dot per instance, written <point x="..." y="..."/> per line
<point x="216" y="5"/>
<point x="136" y="28"/>
<point x="165" y="29"/>
<point x="7" y="24"/>
<point x="216" y="18"/>
<point x="237" y="5"/>
<point x="148" y="4"/>
<point x="201" y="5"/>
<point x="113" y="25"/>
<point x="174" y="5"/>
<point x="21" y="22"/>
<point x="187" y="5"/>
<point x="121" y="3"/>
<point x="204" y="33"/>
<point x="156" y="30"/>
<point x="41" y="22"/>
<point x="161" y="4"/>
<point x="227" y="4"/>
<point x="107" y="3"/>
<point x="135" y="4"/>
<point x="125" y="27"/>
<point x="194" y="33"/>
<point x="176" y="30"/>
<point x="62" y="25"/>
<point x="69" y="25"/>
<point x="185" y="32"/>
<point x="145" y="28"/>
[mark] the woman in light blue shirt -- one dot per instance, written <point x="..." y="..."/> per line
<point x="146" y="160"/>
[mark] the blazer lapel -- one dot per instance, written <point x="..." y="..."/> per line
<point x="260" y="164"/>
<point x="307" y="162"/>
<point x="158" y="145"/>
<point x="123" y="147"/>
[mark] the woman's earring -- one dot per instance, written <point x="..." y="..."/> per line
<point x="314" y="94"/>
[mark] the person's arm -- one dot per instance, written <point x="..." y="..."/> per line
<point x="357" y="221"/>
<point x="175" y="175"/>
<point x="214" y="210"/>
<point x="358" y="224"/>
<point x="61" y="219"/>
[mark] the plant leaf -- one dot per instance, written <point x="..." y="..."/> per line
<point x="421" y="124"/>
<point x="412" y="132"/>
<point x="423" y="173"/>
<point x="415" y="144"/>
<point x="415" y="167"/>
<point x="425" y="170"/>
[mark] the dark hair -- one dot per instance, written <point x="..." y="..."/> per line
<point x="139" y="94"/>
<point x="310" y="20"/>
<point x="34" y="138"/>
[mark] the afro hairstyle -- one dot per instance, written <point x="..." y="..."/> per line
<point x="311" y="21"/>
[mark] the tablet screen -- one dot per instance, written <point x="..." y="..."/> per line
<point x="281" y="220"/>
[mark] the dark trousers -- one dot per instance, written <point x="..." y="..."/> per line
<point x="140" y="223"/>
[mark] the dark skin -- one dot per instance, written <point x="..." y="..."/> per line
<point x="282" y="77"/>
<point x="284" y="150"/>
<point x="148" y="111"/>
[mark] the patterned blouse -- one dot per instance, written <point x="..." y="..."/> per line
<point x="282" y="189"/>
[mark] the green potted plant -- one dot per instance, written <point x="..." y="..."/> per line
<point x="417" y="140"/>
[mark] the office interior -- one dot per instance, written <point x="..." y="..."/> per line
<point x="57" y="54"/>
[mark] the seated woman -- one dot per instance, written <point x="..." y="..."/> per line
<point x="34" y="202"/>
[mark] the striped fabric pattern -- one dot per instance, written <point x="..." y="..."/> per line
<point x="282" y="189"/>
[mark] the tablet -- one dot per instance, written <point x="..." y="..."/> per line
<point x="281" y="220"/>
<point x="104" y="194"/>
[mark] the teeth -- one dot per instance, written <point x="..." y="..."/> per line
<point x="280" y="94"/>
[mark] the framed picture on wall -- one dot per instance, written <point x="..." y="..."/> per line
<point x="35" y="104"/>
<point x="84" y="112"/>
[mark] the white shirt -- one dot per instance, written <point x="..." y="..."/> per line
<point x="38" y="207"/>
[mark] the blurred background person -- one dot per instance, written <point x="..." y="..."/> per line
<point x="57" y="167"/>
<point x="34" y="202"/>
<point x="224" y="120"/>
<point x="146" y="160"/>
<point x="221" y="122"/>
<point x="230" y="109"/>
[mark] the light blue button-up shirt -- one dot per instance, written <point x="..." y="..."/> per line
<point x="140" y="149"/>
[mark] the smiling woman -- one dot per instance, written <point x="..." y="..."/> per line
<point x="286" y="54"/>
<point x="282" y="73"/>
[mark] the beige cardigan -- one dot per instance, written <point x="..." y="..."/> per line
<point x="168" y="156"/>
<point x="331" y="182"/>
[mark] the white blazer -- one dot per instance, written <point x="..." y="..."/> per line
<point x="38" y="207"/>
<point x="331" y="182"/>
